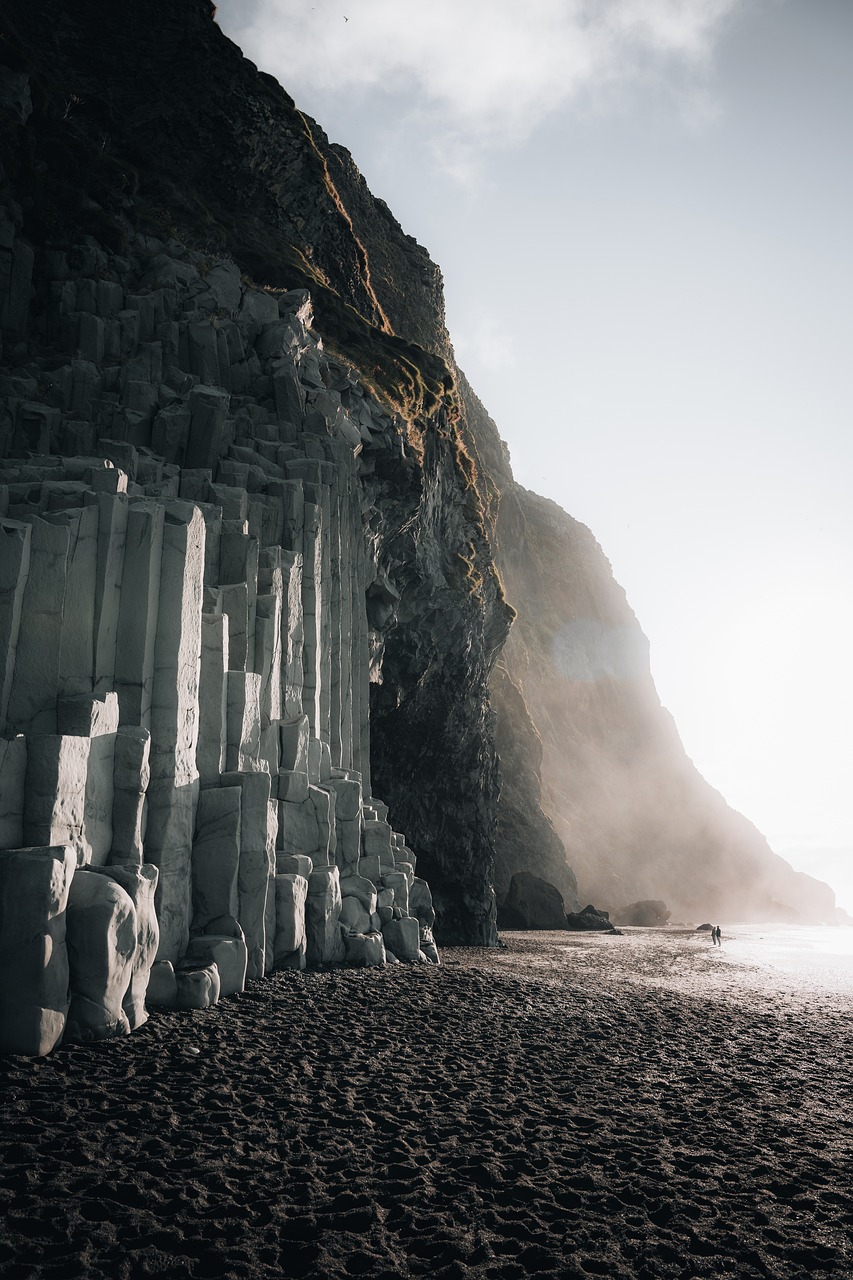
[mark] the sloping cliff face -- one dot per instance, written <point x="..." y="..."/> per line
<point x="635" y="819"/>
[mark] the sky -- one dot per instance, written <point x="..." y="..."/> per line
<point x="642" y="212"/>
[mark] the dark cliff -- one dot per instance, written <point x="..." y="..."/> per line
<point x="146" y="119"/>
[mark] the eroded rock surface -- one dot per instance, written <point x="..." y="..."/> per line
<point x="532" y="903"/>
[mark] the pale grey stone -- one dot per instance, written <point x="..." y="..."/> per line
<point x="162" y="990"/>
<point x="139" y="884"/>
<point x="420" y="902"/>
<point x="212" y="697"/>
<point x="364" y="950"/>
<point x="112" y="536"/>
<point x="353" y="916"/>
<point x="35" y="686"/>
<point x="34" y="887"/>
<point x="258" y="826"/>
<point x="131" y="774"/>
<point x="370" y="866"/>
<point x="235" y="605"/>
<point x="268" y="653"/>
<point x="298" y="832"/>
<point x="403" y="938"/>
<point x="102" y="942"/>
<point x="13" y="769"/>
<point x="293" y="863"/>
<point x="216" y="855"/>
<point x="292" y="787"/>
<point x="294" y="738"/>
<point x="244" y="721"/>
<point x="376" y="840"/>
<point x="322" y="917"/>
<point x="361" y="889"/>
<point x="428" y="947"/>
<point x="269" y="924"/>
<point x="177" y="653"/>
<point x="348" y="842"/>
<point x="225" y="927"/>
<point x="55" y="792"/>
<point x="292" y="637"/>
<point x="83" y="715"/>
<point x="197" y="986"/>
<point x="228" y="955"/>
<point x="138" y="613"/>
<point x="76" y="659"/>
<point x="348" y="798"/>
<point x="324" y="808"/>
<point x="173" y="789"/>
<point x="291" y="892"/>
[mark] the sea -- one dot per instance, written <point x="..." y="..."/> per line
<point x="809" y="967"/>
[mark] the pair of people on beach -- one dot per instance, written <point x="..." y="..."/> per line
<point x="717" y="936"/>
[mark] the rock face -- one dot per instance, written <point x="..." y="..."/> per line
<point x="590" y="920"/>
<point x="248" y="576"/>
<point x="532" y="904"/>
<point x="633" y="817"/>
<point x="647" y="914"/>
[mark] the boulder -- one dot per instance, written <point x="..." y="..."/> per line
<point x="590" y="920"/>
<point x="226" y="954"/>
<point x="197" y="985"/>
<point x="162" y="991"/>
<point x="428" y="947"/>
<point x="139" y="883"/>
<point x="102" y="942"/>
<point x="364" y="950"/>
<point x="532" y="903"/>
<point x="403" y="938"/>
<point x="34" y="887"/>
<point x="648" y="913"/>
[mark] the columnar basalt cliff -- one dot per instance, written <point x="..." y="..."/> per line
<point x="250" y="518"/>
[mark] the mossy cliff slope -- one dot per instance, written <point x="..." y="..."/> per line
<point x="147" y="121"/>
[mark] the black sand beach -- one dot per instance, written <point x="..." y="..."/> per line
<point x="570" y="1106"/>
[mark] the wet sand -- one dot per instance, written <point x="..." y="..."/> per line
<point x="570" y="1106"/>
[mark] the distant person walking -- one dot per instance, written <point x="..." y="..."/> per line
<point x="717" y="936"/>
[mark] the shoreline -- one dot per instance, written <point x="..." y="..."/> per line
<point x="568" y="1105"/>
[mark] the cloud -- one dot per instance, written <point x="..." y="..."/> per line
<point x="484" y="71"/>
